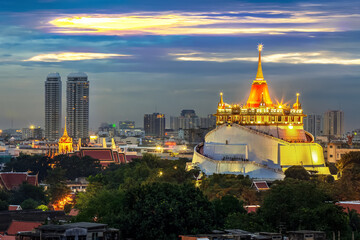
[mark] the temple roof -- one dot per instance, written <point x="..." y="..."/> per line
<point x="65" y="138"/>
<point x="259" y="90"/>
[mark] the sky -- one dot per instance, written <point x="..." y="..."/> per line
<point x="144" y="56"/>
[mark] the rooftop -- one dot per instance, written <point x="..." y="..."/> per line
<point x="77" y="75"/>
<point x="53" y="75"/>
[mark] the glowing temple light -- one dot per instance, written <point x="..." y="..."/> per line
<point x="260" y="47"/>
<point x="291" y="126"/>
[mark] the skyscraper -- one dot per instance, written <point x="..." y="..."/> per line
<point x="77" y="105"/>
<point x="52" y="106"/>
<point x="334" y="123"/>
<point x="154" y="124"/>
<point x="313" y="123"/>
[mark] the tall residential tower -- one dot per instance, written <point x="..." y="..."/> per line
<point x="77" y="105"/>
<point x="52" y="106"/>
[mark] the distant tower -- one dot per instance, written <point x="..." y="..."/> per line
<point x="52" y="106"/>
<point x="65" y="143"/>
<point x="77" y="105"/>
<point x="154" y="124"/>
<point x="334" y="123"/>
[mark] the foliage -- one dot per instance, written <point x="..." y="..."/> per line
<point x="76" y="167"/>
<point x="219" y="185"/>
<point x="224" y="207"/>
<point x="251" y="222"/>
<point x="152" y="211"/>
<point x="4" y="205"/>
<point x="349" y="161"/>
<point x="29" y="204"/>
<point x="143" y="171"/>
<point x="36" y="164"/>
<point x="297" y="172"/>
<point x="42" y="208"/>
<point x="57" y="185"/>
<point x="301" y="205"/>
<point x="28" y="191"/>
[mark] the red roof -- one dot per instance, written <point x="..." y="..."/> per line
<point x="100" y="154"/>
<point x="11" y="180"/>
<point x="251" y="208"/>
<point x="21" y="226"/>
<point x="7" y="237"/>
<point x="14" y="207"/>
<point x="261" y="185"/>
<point x="352" y="205"/>
<point x="129" y="158"/>
<point x="74" y="212"/>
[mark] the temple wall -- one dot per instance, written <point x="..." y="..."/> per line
<point x="240" y="142"/>
<point x="254" y="170"/>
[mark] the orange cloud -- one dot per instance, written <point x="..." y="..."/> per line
<point x="72" y="56"/>
<point x="174" y="23"/>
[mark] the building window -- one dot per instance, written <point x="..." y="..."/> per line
<point x="330" y="146"/>
<point x="331" y="155"/>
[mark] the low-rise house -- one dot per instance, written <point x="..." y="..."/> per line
<point x="306" y="235"/>
<point x="80" y="231"/>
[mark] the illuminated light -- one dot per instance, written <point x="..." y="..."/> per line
<point x="72" y="56"/>
<point x="355" y="133"/>
<point x="160" y="173"/>
<point x="290" y="126"/>
<point x="114" y="125"/>
<point x="259" y="121"/>
<point x="32" y="127"/>
<point x="280" y="106"/>
<point x="260" y="47"/>
<point x="158" y="148"/>
<point x="93" y="137"/>
<point x="175" y="167"/>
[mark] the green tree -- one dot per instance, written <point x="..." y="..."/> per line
<point x="36" y="164"/>
<point x="29" y="204"/>
<point x="163" y="211"/>
<point x="27" y="191"/>
<point x="76" y="167"/>
<point x="224" y="207"/>
<point x="297" y="172"/>
<point x="301" y="205"/>
<point x="57" y="185"/>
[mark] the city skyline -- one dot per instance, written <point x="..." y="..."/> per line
<point x="309" y="47"/>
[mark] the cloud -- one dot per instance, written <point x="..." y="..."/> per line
<point x="199" y="23"/>
<point x="72" y="56"/>
<point x="288" y="58"/>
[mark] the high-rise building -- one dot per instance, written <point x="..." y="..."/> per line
<point x="126" y="124"/>
<point x="77" y="105"/>
<point x="313" y="123"/>
<point x="154" y="124"/>
<point x="186" y="120"/>
<point x="334" y="123"/>
<point x="52" y="106"/>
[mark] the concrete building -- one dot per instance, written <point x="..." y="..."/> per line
<point x="335" y="150"/>
<point x="77" y="105"/>
<point x="53" y="93"/>
<point x="313" y="123"/>
<point x="32" y="133"/>
<point x="126" y="124"/>
<point x="334" y="123"/>
<point x="154" y="124"/>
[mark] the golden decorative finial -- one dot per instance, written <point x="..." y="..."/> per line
<point x="221" y="99"/>
<point x="297" y="105"/>
<point x="65" y="131"/>
<point x="259" y="74"/>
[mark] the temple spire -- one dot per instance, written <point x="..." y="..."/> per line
<point x="221" y="99"/>
<point x="65" y="131"/>
<point x="297" y="105"/>
<point x="259" y="74"/>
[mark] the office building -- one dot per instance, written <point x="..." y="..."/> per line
<point x="126" y="124"/>
<point x="154" y="124"/>
<point x="334" y="123"/>
<point x="53" y="106"/>
<point x="313" y="123"/>
<point x="77" y="105"/>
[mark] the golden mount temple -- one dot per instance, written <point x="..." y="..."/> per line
<point x="259" y="138"/>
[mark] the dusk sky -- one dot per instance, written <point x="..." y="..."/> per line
<point x="163" y="55"/>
